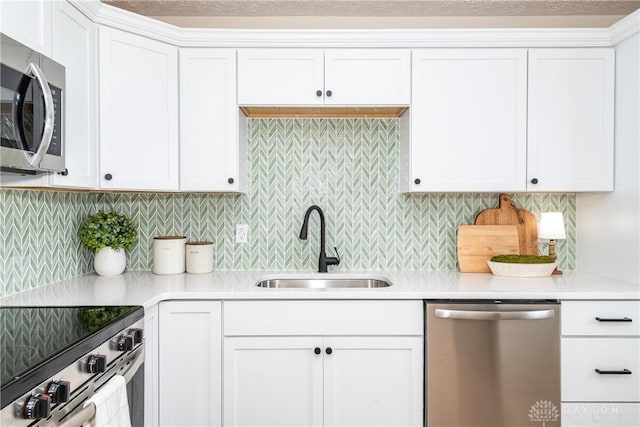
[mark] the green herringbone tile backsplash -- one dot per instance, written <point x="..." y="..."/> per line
<point x="348" y="167"/>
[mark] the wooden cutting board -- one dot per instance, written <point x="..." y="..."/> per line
<point x="478" y="243"/>
<point x="508" y="214"/>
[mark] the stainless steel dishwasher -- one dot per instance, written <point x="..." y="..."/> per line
<point x="492" y="363"/>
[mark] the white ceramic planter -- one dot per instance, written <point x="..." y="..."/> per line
<point x="108" y="262"/>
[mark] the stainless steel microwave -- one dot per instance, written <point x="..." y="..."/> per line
<point x="32" y="108"/>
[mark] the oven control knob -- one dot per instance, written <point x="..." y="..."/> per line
<point x="58" y="391"/>
<point x="137" y="335"/>
<point x="36" y="407"/>
<point x="124" y="342"/>
<point x="96" y="363"/>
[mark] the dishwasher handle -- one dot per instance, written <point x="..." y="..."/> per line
<point x="494" y="315"/>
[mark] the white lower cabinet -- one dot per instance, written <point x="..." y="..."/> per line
<point x="272" y="381"/>
<point x="282" y="377"/>
<point x="373" y="381"/>
<point x="600" y="414"/>
<point x="190" y="363"/>
<point x="600" y="363"/>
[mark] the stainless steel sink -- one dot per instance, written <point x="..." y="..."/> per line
<point x="316" y="283"/>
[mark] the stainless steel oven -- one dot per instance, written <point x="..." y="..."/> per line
<point x="55" y="358"/>
<point x="32" y="110"/>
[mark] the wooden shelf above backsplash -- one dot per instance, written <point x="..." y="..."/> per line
<point x="322" y="112"/>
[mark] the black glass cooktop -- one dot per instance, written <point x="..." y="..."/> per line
<point x="39" y="341"/>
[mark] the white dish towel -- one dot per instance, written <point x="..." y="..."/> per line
<point x="112" y="409"/>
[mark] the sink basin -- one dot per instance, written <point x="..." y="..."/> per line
<point x="317" y="283"/>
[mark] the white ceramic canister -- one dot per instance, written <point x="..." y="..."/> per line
<point x="199" y="257"/>
<point x="169" y="254"/>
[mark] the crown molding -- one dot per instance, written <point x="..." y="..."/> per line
<point x="625" y="28"/>
<point x="400" y="38"/>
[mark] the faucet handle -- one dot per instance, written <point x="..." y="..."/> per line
<point x="337" y="256"/>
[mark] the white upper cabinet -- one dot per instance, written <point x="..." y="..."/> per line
<point x="571" y="111"/>
<point x="75" y="46"/>
<point x="323" y="77"/>
<point x="29" y="22"/>
<point x="138" y="112"/>
<point x="280" y="76"/>
<point x="211" y="158"/>
<point x="367" y="77"/>
<point x="468" y="121"/>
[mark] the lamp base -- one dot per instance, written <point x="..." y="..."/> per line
<point x="552" y="254"/>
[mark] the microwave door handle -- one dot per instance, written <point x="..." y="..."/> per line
<point x="49" y="116"/>
<point x="494" y="315"/>
<point x="18" y="112"/>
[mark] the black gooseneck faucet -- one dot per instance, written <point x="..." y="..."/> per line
<point x="323" y="260"/>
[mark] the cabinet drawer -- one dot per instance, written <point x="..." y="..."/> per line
<point x="582" y="356"/>
<point x="616" y="318"/>
<point x="600" y="414"/>
<point x="323" y="318"/>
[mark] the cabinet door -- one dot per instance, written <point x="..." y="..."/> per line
<point x="367" y="77"/>
<point x="208" y="120"/>
<point x="190" y="360"/>
<point x="570" y="141"/>
<point x="75" y="46"/>
<point x="581" y="357"/>
<point x="600" y="414"/>
<point x="272" y="381"/>
<point x="280" y="76"/>
<point x="138" y="112"/>
<point x="468" y="120"/>
<point x="29" y="22"/>
<point x="373" y="381"/>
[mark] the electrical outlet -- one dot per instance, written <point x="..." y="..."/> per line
<point x="242" y="233"/>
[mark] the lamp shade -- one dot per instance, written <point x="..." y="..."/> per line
<point x="551" y="226"/>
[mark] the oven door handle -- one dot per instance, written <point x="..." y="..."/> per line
<point x="494" y="315"/>
<point x="49" y="116"/>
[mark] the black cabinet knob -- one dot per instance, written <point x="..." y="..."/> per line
<point x="230" y="180"/>
<point x="65" y="172"/>
<point x="534" y="181"/>
<point x="59" y="391"/>
<point x="317" y="350"/>
<point x="36" y="407"/>
<point x="108" y="177"/>
<point x="329" y="350"/>
<point x="417" y="181"/>
<point x="318" y="93"/>
<point x="329" y="93"/>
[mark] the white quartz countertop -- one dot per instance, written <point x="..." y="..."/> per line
<point x="146" y="289"/>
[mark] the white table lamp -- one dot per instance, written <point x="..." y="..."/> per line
<point x="552" y="229"/>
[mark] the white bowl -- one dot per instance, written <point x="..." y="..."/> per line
<point x="509" y="269"/>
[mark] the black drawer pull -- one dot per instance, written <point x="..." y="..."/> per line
<point x="613" y="319"/>
<point x="605" y="372"/>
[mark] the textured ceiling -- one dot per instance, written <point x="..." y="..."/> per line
<point x="376" y="8"/>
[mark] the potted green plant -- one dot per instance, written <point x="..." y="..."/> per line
<point x="109" y="235"/>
